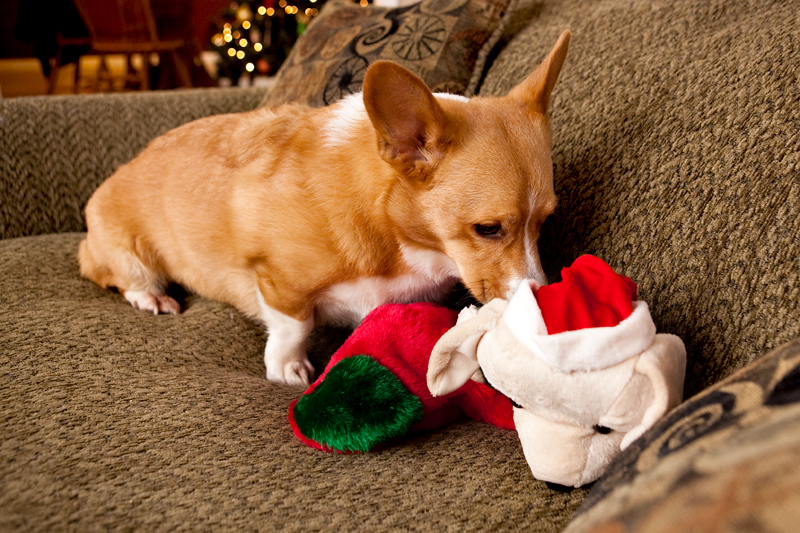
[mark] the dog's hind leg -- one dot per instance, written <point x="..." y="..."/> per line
<point x="132" y="269"/>
<point x="153" y="302"/>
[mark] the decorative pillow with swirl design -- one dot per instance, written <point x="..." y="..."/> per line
<point x="445" y="42"/>
<point x="726" y="460"/>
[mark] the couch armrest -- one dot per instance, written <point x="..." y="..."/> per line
<point x="56" y="150"/>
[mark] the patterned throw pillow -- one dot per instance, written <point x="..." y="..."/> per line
<point x="726" y="460"/>
<point x="445" y="42"/>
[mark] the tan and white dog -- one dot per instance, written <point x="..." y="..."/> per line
<point x="294" y="213"/>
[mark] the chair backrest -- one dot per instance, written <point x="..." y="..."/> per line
<point x="115" y="21"/>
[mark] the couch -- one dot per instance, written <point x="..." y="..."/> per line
<point x="676" y="159"/>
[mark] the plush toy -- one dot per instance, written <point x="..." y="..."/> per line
<point x="581" y="361"/>
<point x="374" y="387"/>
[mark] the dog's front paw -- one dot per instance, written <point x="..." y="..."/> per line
<point x="285" y="354"/>
<point x="296" y="373"/>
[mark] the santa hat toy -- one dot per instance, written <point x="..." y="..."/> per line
<point x="581" y="361"/>
<point x="590" y="320"/>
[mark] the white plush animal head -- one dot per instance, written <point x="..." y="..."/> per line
<point x="580" y="396"/>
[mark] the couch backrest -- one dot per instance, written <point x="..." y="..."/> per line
<point x="56" y="150"/>
<point x="677" y="160"/>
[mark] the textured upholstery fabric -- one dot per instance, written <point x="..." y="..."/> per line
<point x="56" y="150"/>
<point x="677" y="160"/>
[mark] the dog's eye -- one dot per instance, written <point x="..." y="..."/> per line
<point x="489" y="231"/>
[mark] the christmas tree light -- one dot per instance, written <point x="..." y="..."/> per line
<point x="254" y="38"/>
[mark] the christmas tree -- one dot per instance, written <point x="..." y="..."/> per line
<point x="254" y="38"/>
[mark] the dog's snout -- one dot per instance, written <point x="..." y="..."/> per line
<point x="536" y="275"/>
<point x="513" y="285"/>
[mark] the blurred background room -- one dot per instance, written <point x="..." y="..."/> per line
<point x="84" y="46"/>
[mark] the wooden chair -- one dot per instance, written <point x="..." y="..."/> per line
<point x="62" y="42"/>
<point x="128" y="27"/>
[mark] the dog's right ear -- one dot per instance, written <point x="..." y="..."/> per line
<point x="411" y="126"/>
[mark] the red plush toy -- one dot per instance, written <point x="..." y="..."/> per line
<point x="581" y="359"/>
<point x="374" y="389"/>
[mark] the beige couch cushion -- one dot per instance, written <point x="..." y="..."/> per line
<point x="114" y="418"/>
<point x="677" y="160"/>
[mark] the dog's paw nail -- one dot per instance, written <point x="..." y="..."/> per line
<point x="166" y="304"/>
<point x="153" y="303"/>
<point x="299" y="373"/>
<point x="296" y="373"/>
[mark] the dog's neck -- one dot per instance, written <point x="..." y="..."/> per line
<point x="370" y="206"/>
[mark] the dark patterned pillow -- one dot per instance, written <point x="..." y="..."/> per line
<point x="726" y="460"/>
<point x="445" y="42"/>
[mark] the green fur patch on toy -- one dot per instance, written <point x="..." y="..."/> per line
<point x="358" y="405"/>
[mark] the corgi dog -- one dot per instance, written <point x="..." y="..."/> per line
<point x="296" y="214"/>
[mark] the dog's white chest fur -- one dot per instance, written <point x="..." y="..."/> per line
<point x="431" y="275"/>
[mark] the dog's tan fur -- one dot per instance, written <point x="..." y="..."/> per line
<point x="264" y="211"/>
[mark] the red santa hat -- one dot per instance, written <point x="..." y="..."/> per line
<point x="588" y="321"/>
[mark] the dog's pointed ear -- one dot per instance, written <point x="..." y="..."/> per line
<point x="535" y="89"/>
<point x="410" y="123"/>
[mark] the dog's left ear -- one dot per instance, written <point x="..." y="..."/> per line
<point x="410" y="122"/>
<point x="535" y="89"/>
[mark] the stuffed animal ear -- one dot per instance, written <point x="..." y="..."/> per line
<point x="535" y="89"/>
<point x="410" y="123"/>
<point x="455" y="357"/>
<point x="450" y="367"/>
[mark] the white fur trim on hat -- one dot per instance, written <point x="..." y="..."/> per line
<point x="583" y="349"/>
